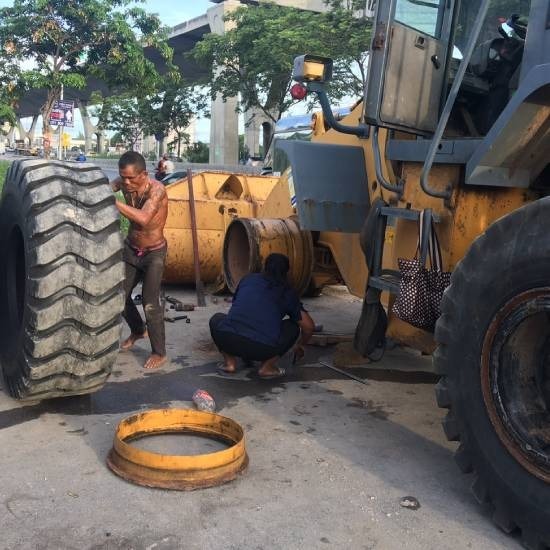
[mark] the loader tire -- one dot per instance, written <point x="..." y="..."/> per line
<point x="61" y="279"/>
<point x="494" y="358"/>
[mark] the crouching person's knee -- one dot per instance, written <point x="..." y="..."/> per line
<point x="215" y="321"/>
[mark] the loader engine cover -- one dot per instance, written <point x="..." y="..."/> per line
<point x="61" y="277"/>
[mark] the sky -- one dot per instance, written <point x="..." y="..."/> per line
<point x="171" y="13"/>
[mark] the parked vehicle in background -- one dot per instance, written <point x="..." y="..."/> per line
<point x="174" y="176"/>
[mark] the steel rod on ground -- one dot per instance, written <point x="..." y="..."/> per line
<point x="196" y="260"/>
<point x="336" y="369"/>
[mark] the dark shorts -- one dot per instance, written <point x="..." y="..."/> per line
<point x="240" y="346"/>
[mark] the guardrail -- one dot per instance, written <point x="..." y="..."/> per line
<point x="199" y="167"/>
<point x="196" y="167"/>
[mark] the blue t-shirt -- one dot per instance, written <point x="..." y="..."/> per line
<point x="258" y="308"/>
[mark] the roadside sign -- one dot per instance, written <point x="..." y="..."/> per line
<point x="62" y="113"/>
<point x="66" y="140"/>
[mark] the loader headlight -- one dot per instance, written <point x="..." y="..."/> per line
<point x="312" y="68"/>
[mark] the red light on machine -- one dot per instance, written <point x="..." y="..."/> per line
<point x="298" y="91"/>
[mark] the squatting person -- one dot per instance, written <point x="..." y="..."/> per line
<point x="144" y="252"/>
<point x="255" y="329"/>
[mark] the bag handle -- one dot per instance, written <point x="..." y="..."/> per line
<point x="435" y="249"/>
<point x="425" y="222"/>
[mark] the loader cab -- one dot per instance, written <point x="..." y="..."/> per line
<point x="416" y="52"/>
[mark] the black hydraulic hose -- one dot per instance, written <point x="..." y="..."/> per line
<point x="362" y="130"/>
<point x="378" y="167"/>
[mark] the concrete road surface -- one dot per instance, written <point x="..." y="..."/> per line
<point x="330" y="458"/>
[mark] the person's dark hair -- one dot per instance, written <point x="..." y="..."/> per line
<point x="131" y="158"/>
<point x="276" y="267"/>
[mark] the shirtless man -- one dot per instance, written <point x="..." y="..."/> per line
<point x="144" y="252"/>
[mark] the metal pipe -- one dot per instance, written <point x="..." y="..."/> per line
<point x="336" y="369"/>
<point x="398" y="188"/>
<point x="198" y="283"/>
<point x="442" y="124"/>
<point x="60" y="131"/>
<point x="361" y="131"/>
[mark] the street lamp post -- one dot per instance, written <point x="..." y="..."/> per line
<point x="60" y="131"/>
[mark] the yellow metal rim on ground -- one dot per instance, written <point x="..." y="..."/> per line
<point x="178" y="472"/>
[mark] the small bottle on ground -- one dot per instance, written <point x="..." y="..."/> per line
<point x="204" y="401"/>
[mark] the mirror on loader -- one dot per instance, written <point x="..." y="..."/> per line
<point x="407" y="69"/>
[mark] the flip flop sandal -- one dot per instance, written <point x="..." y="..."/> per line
<point x="164" y="363"/>
<point x="281" y="372"/>
<point x="225" y="373"/>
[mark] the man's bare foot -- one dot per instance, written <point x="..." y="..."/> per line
<point x="131" y="340"/>
<point x="155" y="361"/>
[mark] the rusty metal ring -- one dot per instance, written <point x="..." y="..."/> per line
<point x="521" y="455"/>
<point x="179" y="472"/>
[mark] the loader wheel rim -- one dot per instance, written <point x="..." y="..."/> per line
<point x="178" y="472"/>
<point x="515" y="378"/>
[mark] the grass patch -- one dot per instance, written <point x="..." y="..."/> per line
<point x="124" y="222"/>
<point x="4" y="165"/>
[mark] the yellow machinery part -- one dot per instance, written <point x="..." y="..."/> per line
<point x="248" y="242"/>
<point x="347" y="256"/>
<point x="219" y="197"/>
<point x="471" y="211"/>
<point x="177" y="471"/>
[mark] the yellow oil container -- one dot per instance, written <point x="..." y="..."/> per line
<point x="219" y="198"/>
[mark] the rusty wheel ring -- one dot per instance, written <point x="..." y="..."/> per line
<point x="180" y="472"/>
<point x="486" y="387"/>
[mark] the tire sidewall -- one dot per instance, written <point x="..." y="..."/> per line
<point x="481" y="296"/>
<point x="12" y="330"/>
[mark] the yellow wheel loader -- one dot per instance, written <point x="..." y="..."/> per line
<point x="454" y="128"/>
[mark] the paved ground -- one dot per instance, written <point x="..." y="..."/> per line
<point x="330" y="459"/>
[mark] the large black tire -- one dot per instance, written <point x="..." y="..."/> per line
<point x="493" y="354"/>
<point x="61" y="279"/>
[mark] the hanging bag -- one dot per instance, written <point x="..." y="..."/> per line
<point x="421" y="288"/>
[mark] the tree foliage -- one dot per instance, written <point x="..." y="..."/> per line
<point x="9" y="90"/>
<point x="125" y="116"/>
<point x="197" y="153"/>
<point x="171" y="108"/>
<point x="254" y="59"/>
<point x="69" y="41"/>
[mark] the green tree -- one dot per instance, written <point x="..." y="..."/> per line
<point x="69" y="41"/>
<point x="172" y="109"/>
<point x="116" y="138"/>
<point x="197" y="152"/>
<point x="9" y="89"/>
<point x="125" y="116"/>
<point x="254" y="59"/>
<point x="348" y="19"/>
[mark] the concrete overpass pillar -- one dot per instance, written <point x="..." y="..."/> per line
<point x="27" y="135"/>
<point x="11" y="136"/>
<point x="258" y="129"/>
<point x="89" y="128"/>
<point x="224" y="122"/>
